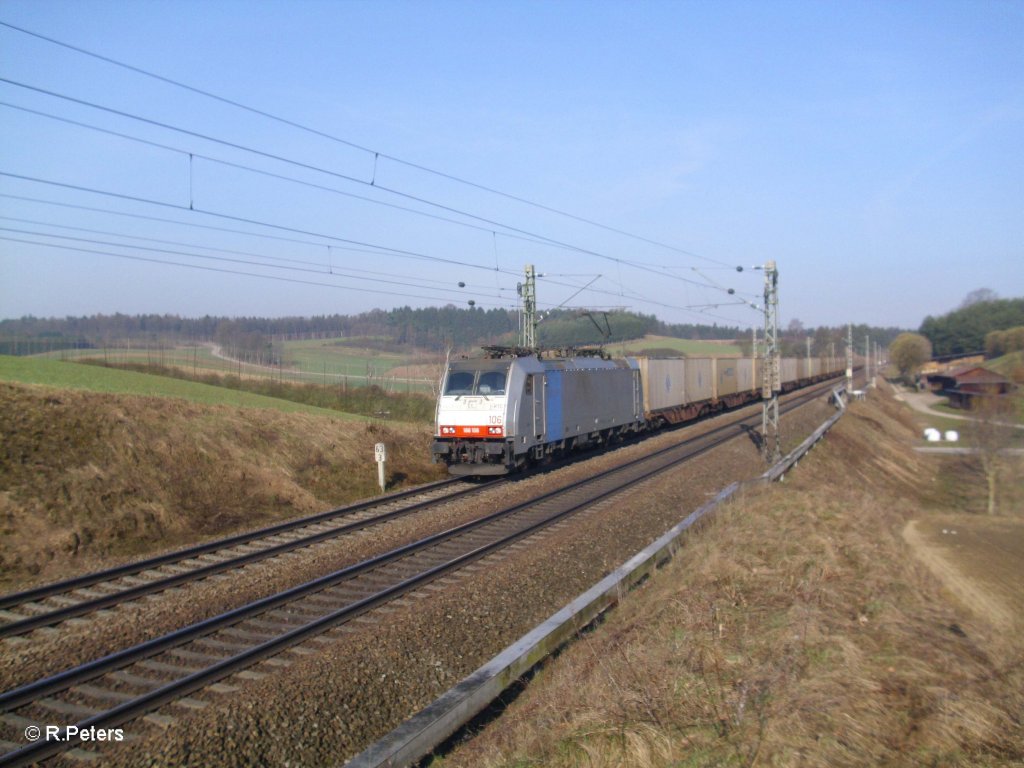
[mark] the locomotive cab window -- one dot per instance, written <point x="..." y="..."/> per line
<point x="459" y="383"/>
<point x="491" y="383"/>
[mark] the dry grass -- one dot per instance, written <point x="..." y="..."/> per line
<point x="88" y="477"/>
<point x="795" y="630"/>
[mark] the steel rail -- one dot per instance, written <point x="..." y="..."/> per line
<point x="128" y="569"/>
<point x="58" y="615"/>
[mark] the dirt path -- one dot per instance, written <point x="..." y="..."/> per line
<point x="980" y="560"/>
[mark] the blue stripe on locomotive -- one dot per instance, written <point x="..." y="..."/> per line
<point x="553" y="404"/>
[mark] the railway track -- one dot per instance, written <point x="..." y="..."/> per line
<point x="138" y="681"/>
<point x="53" y="603"/>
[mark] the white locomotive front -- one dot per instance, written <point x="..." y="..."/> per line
<point x="472" y="417"/>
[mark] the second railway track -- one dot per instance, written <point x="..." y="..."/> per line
<point x="50" y="604"/>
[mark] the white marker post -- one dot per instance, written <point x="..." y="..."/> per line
<point x="380" y="453"/>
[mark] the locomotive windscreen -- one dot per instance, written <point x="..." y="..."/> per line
<point x="477" y="382"/>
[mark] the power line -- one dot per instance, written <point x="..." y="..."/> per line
<point x="371" y="250"/>
<point x="192" y="155"/>
<point x="645" y="299"/>
<point x="330" y="269"/>
<point x="376" y="153"/>
<point x="533" y="236"/>
<point x="195" y="224"/>
<point x="186" y="265"/>
<point x="377" y="249"/>
<point x="348" y="271"/>
<point x="547" y="276"/>
<point x="243" y="220"/>
<point x="319" y="270"/>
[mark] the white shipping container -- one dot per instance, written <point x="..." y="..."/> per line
<point x="664" y="382"/>
<point x="700" y="380"/>
<point x="745" y="375"/>
<point x="788" y="369"/>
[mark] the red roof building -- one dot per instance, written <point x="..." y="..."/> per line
<point x="965" y="386"/>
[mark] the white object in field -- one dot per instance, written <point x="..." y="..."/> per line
<point x="952" y="435"/>
<point x="932" y="435"/>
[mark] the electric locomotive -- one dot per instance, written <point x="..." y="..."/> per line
<point x="517" y="407"/>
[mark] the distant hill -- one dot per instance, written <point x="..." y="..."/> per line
<point x="252" y="339"/>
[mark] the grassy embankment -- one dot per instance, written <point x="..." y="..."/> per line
<point x="824" y="621"/>
<point x="98" y="465"/>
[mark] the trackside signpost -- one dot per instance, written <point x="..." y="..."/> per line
<point x="380" y="453"/>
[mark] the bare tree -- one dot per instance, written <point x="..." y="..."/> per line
<point x="438" y="370"/>
<point x="991" y="435"/>
<point x="977" y="296"/>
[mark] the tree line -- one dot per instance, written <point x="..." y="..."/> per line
<point x="253" y="339"/>
<point x="965" y="329"/>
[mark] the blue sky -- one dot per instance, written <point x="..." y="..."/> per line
<point x="873" y="150"/>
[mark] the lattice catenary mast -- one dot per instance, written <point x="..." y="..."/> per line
<point x="849" y="360"/>
<point x="528" y="293"/>
<point x="771" y="379"/>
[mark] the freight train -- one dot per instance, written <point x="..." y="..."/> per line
<point x="513" y="408"/>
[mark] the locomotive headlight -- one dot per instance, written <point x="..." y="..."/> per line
<point x="447" y="430"/>
<point x="494" y="430"/>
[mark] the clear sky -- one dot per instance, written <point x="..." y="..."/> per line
<point x="874" y="150"/>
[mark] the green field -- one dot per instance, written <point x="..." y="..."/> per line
<point x="688" y="347"/>
<point x="353" y="358"/>
<point x="69" y="375"/>
<point x="316" y="361"/>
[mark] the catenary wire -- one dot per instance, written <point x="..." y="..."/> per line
<point x="278" y="278"/>
<point x="376" y="153"/>
<point x="176" y="206"/>
<point x="227" y="259"/>
<point x="242" y="220"/>
<point x="415" y="198"/>
<point x="331" y="269"/>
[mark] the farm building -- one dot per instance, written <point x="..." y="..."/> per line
<point x="945" y="363"/>
<point x="965" y="386"/>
